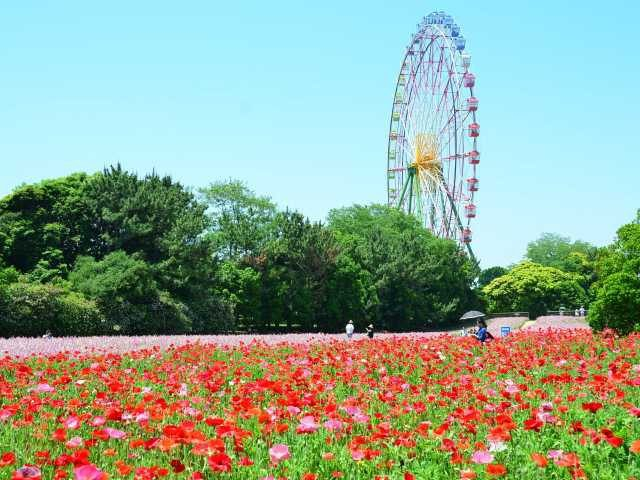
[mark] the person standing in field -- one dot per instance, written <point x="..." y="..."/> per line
<point x="349" y="329"/>
<point x="582" y="310"/>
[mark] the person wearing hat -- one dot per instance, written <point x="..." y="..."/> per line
<point x="349" y="329"/>
<point x="370" y="331"/>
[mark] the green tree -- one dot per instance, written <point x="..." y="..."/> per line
<point x="44" y="226"/>
<point x="345" y="297"/>
<point x="297" y="264"/>
<point x="127" y="294"/>
<point x="617" y="304"/>
<point x="240" y="219"/>
<point x="141" y="215"/>
<point x="534" y="288"/>
<point x="617" y="291"/>
<point x="412" y="280"/>
<point x="239" y="286"/>
<point x="623" y="254"/>
<point x="553" y="250"/>
<point x="489" y="274"/>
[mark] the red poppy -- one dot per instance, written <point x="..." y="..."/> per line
<point x="177" y="466"/>
<point x="220" y="462"/>
<point x="615" y="441"/>
<point x="592" y="407"/>
<point x="496" y="469"/>
<point x="539" y="460"/>
<point x="7" y="458"/>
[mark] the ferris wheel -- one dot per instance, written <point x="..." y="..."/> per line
<point x="433" y="153"/>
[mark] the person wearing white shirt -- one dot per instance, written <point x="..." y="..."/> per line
<point x="349" y="329"/>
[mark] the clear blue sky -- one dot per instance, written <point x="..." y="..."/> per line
<point x="294" y="98"/>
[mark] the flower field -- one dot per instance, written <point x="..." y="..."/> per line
<point x="557" y="404"/>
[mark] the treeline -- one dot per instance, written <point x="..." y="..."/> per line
<point x="558" y="273"/>
<point x="116" y="253"/>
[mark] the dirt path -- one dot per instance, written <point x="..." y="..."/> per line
<point x="557" y="321"/>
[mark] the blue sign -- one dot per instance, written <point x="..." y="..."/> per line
<point x="504" y="331"/>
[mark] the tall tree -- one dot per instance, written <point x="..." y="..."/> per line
<point x="553" y="250"/>
<point x="240" y="219"/>
<point x="489" y="274"/>
<point x="617" y="291"/>
<point x="415" y="280"/>
<point x="43" y="226"/>
<point x="299" y="258"/>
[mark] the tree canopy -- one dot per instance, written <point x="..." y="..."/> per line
<point x="117" y="252"/>
<point x="617" y="291"/>
<point x="534" y="288"/>
<point x="412" y="279"/>
<point x="553" y="250"/>
<point x="240" y="219"/>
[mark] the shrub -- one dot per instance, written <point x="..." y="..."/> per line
<point x="30" y="309"/>
<point x="78" y="316"/>
<point x="8" y="275"/>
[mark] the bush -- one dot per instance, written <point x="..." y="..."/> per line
<point x="8" y="275"/>
<point x="617" y="304"/>
<point x="78" y="316"/>
<point x="29" y="310"/>
<point x="128" y="296"/>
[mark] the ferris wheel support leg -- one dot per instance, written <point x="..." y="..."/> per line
<point x="409" y="180"/>
<point x="411" y="194"/>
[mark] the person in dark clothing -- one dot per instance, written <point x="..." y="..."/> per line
<point x="482" y="333"/>
<point x="370" y="331"/>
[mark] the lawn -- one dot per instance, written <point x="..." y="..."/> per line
<point x="537" y="404"/>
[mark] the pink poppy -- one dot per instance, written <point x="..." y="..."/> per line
<point x="482" y="457"/>
<point x="74" y="442"/>
<point x="114" y="433"/>
<point x="44" y="388"/>
<point x="307" y="425"/>
<point x="279" y="452"/>
<point x="72" y="423"/>
<point x="333" y="425"/>
<point x="27" y="471"/>
<point x="88" y="472"/>
<point x="357" y="455"/>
